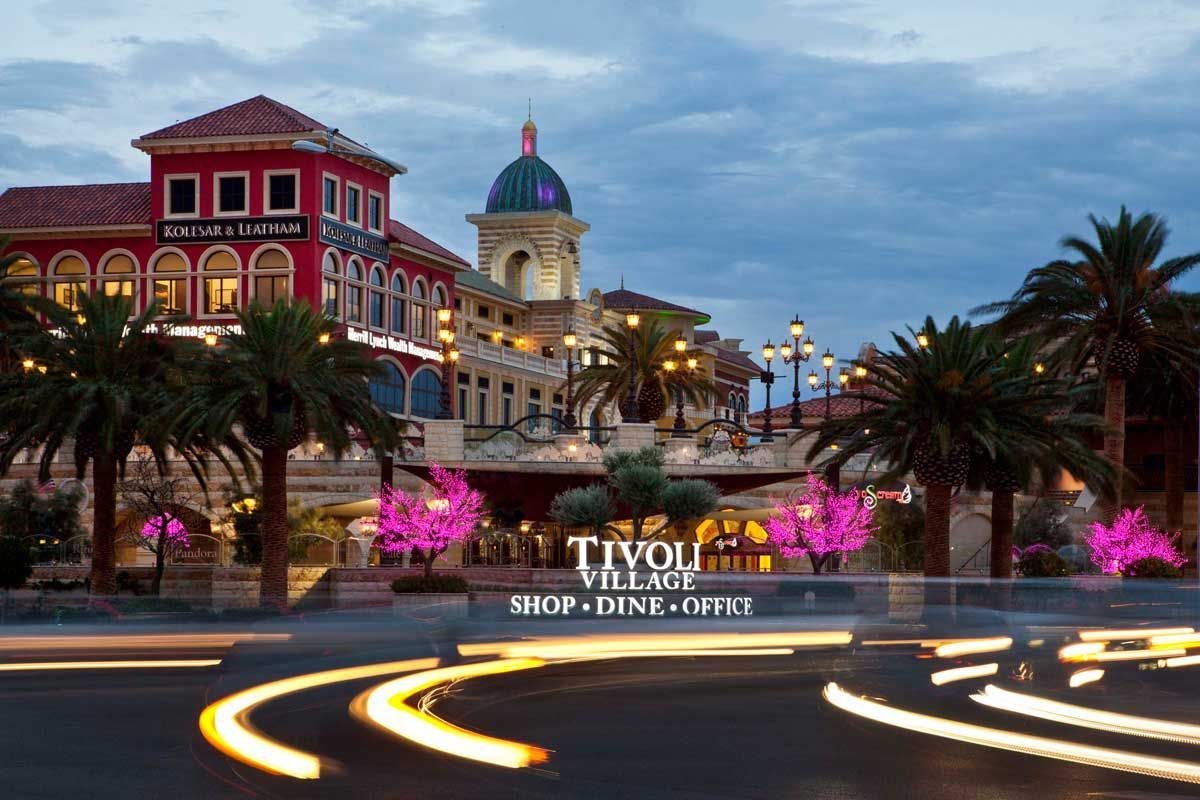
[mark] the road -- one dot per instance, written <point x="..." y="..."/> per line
<point x="639" y="727"/>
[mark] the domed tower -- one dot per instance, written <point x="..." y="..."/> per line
<point x="528" y="237"/>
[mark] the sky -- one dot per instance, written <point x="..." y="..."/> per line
<point x="861" y="164"/>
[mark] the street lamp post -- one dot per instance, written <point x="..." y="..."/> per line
<point x="449" y="356"/>
<point x="832" y="473"/>
<point x="679" y="429"/>
<point x="569" y="341"/>
<point x="632" y="412"/>
<point x="795" y="355"/>
<point x="768" y="378"/>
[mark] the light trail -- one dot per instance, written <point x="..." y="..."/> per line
<point x="386" y="707"/>
<point x="1058" y="749"/>
<point x="945" y="676"/>
<point x="1127" y="634"/>
<point x="1084" y="676"/>
<point x="154" y="641"/>
<point x="1084" y="717"/>
<point x="53" y="666"/>
<point x="1080" y="651"/>
<point x="565" y="647"/>
<point x="225" y="723"/>
<point x="1172" y="640"/>
<point x="969" y="647"/>
<point x="1134" y="655"/>
<point x="1180" y="661"/>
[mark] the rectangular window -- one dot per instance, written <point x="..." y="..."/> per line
<point x="281" y="192"/>
<point x="329" y="297"/>
<point x="458" y="304"/>
<point x="181" y="196"/>
<point x="375" y="211"/>
<point x="67" y="295"/>
<point x="506" y="409"/>
<point x="418" y="320"/>
<point x="530" y="410"/>
<point x="508" y="320"/>
<point x="231" y="194"/>
<point x="353" y="193"/>
<point x="354" y="309"/>
<point x="398" y="315"/>
<point x="463" y="393"/>
<point x="535" y="394"/>
<point x="169" y="295"/>
<point x="269" y="288"/>
<point x="376" y="310"/>
<point x="483" y="311"/>
<point x="483" y="408"/>
<point x="220" y="295"/>
<point x="123" y="288"/>
<point x="506" y="387"/>
<point x="329" y="197"/>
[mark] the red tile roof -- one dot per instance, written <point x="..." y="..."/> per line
<point x="839" y="406"/>
<point x="258" y="115"/>
<point x="623" y="299"/>
<point x="399" y="232"/>
<point x="737" y="357"/>
<point x="73" y="206"/>
<point x="706" y="337"/>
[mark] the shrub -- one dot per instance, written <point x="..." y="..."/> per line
<point x="434" y="584"/>
<point x="57" y="585"/>
<point x="1042" y="562"/>
<point x="1152" y="568"/>
<point x="1042" y="523"/>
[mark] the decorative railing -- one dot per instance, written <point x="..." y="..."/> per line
<point x="536" y="437"/>
<point x="486" y="351"/>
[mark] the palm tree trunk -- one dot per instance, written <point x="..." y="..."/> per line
<point x="273" y="583"/>
<point x="937" y="530"/>
<point x="104" y="525"/>
<point x="1002" y="533"/>
<point x="1173" y="473"/>
<point x="1114" y="442"/>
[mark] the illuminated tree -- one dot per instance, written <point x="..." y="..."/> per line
<point x="448" y="512"/>
<point x="152" y="493"/>
<point x="1131" y="538"/>
<point x="819" y="522"/>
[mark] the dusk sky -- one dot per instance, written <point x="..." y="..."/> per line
<point x="860" y="163"/>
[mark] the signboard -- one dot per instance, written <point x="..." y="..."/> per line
<point x="871" y="495"/>
<point x="290" y="227"/>
<point x="385" y="342"/>
<point x="356" y="240"/>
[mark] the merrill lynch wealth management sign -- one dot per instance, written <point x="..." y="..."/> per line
<point x="292" y="228"/>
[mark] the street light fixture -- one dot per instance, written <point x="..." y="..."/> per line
<point x="768" y="378"/>
<point x="632" y="412"/>
<point x="569" y="341"/>
<point x="833" y="473"/>
<point x="307" y="146"/>
<point x="796" y="354"/>
<point x="922" y="340"/>
<point x="679" y="429"/>
<point x="449" y="356"/>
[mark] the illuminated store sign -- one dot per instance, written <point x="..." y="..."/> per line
<point x="292" y="228"/>
<point x="356" y="240"/>
<point x="871" y="496"/>
<point x="384" y="342"/>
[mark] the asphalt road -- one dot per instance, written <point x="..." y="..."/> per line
<point x="736" y="727"/>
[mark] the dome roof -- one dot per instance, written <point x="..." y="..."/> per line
<point x="529" y="183"/>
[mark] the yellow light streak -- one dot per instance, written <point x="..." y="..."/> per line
<point x="1176" y="640"/>
<point x="154" y="641"/>
<point x="1084" y="717"/>
<point x="963" y="673"/>
<point x="563" y="647"/>
<point x="1134" y="655"/>
<point x="1080" y="651"/>
<point x="52" y="666"/>
<point x="1120" y="635"/>
<point x="225" y="722"/>
<point x="1058" y="749"/>
<point x="1084" y="676"/>
<point x="972" y="646"/>
<point x="385" y="706"/>
<point x="618" y="654"/>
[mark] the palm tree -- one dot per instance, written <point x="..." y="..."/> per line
<point x="282" y="378"/>
<point x="608" y="383"/>
<point x="933" y="409"/>
<point x="1098" y="309"/>
<point x="102" y="380"/>
<point x="1036" y="441"/>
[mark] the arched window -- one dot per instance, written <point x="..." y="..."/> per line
<point x="354" y="291"/>
<point x="24" y="274"/>
<point x="271" y="277"/>
<point x="426" y="394"/>
<point x="121" y="265"/>
<point x="388" y="390"/>
<point x="170" y="288"/>
<point x="420" y="310"/>
<point x="220" y="290"/>
<point x="70" y="282"/>
<point x="399" y="304"/>
<point x="741" y="407"/>
<point x="732" y="401"/>
<point x="439" y="297"/>
<point x="330" y="281"/>
<point x="375" y="302"/>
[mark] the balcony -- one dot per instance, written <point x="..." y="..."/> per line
<point x="507" y="356"/>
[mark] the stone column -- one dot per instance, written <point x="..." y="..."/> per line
<point x="633" y="436"/>
<point x="444" y="440"/>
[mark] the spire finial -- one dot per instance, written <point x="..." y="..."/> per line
<point x="530" y="117"/>
<point x="622" y="280"/>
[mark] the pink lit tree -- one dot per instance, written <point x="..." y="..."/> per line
<point x="448" y="512"/>
<point x="1130" y="538"/>
<point x="819" y="522"/>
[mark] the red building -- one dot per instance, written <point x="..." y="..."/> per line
<point x="234" y="212"/>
